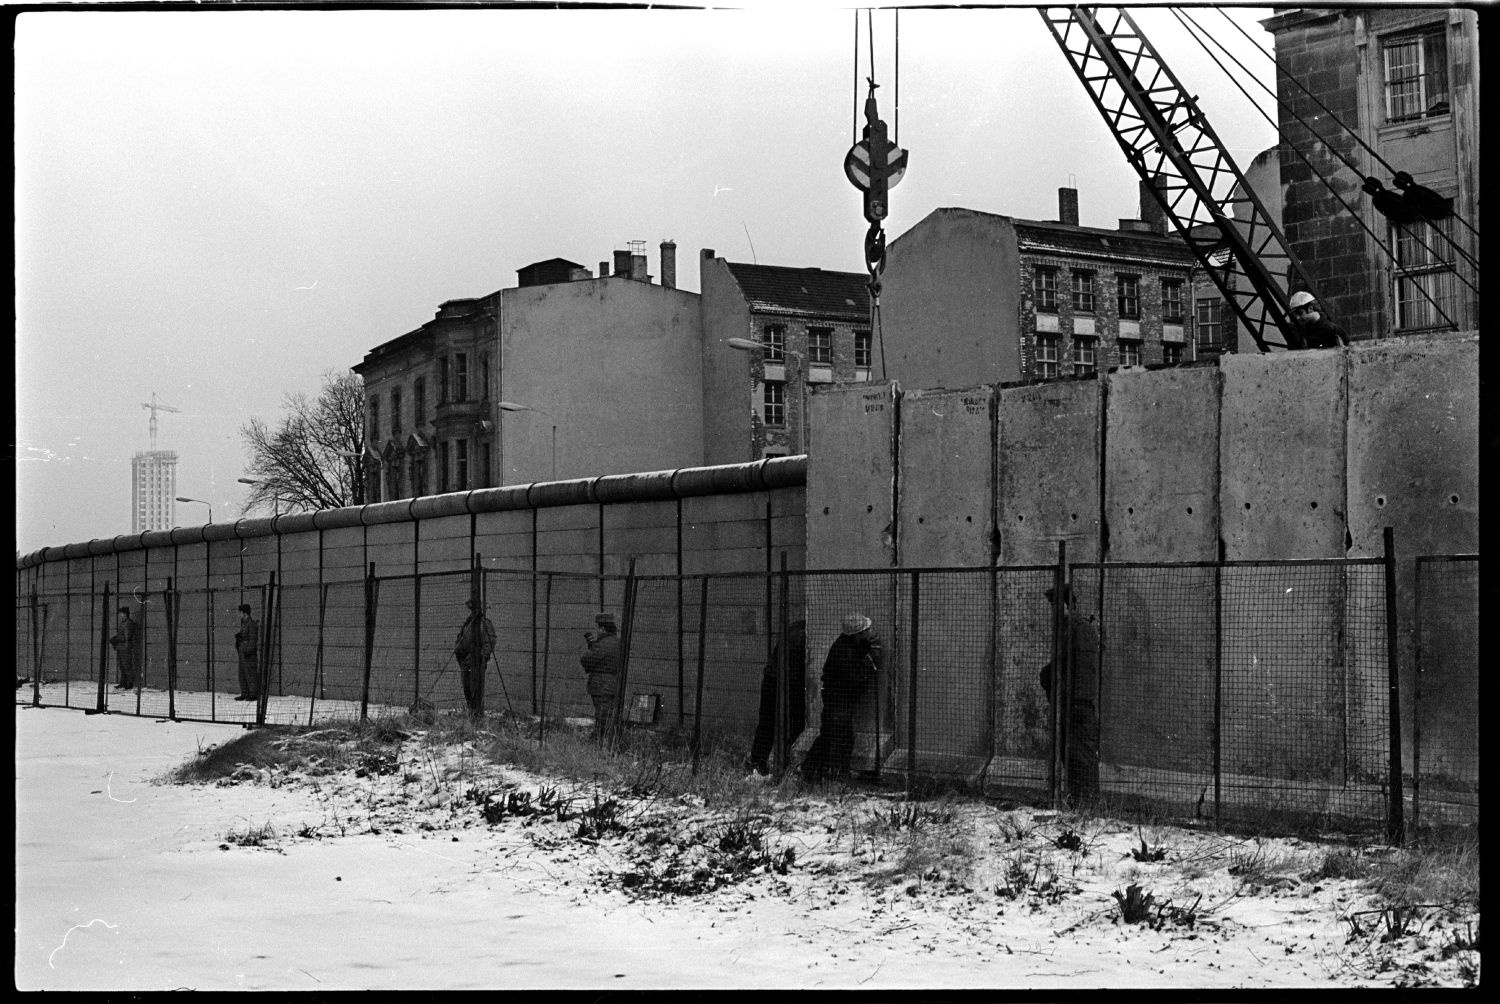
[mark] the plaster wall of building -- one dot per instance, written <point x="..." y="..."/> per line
<point x="729" y="416"/>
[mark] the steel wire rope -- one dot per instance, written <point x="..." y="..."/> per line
<point x="1454" y="245"/>
<point x="1329" y="112"/>
<point x="1356" y="216"/>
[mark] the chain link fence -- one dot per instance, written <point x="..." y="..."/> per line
<point x="1223" y="691"/>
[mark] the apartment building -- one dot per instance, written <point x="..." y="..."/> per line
<point x="153" y="490"/>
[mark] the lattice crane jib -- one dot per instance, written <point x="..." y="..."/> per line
<point x="1169" y="143"/>
<point x="154" y="406"/>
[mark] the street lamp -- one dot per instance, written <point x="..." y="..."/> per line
<point x="184" y="498"/>
<point x="275" y="495"/>
<point x="513" y="406"/>
<point x="751" y="345"/>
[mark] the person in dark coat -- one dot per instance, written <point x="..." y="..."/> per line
<point x="126" y="643"/>
<point x="247" y="646"/>
<point x="794" y="648"/>
<point x="1312" y="325"/>
<point x="1080" y="731"/>
<point x="601" y="661"/>
<point x="475" y="642"/>
<point x="853" y="664"/>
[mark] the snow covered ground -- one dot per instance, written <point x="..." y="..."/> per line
<point x="397" y="881"/>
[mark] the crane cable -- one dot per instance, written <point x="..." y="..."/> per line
<point x="875" y="236"/>
<point x="1371" y="185"/>
<point x="1357" y="217"/>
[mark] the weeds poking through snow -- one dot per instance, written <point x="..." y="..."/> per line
<point x="251" y="836"/>
<point x="1135" y="906"/>
<point x="1146" y="853"/>
<point x="1068" y="840"/>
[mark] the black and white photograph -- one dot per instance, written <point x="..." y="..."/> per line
<point x="448" y="558"/>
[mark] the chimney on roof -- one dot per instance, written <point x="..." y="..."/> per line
<point x="603" y="269"/>
<point x="1067" y="206"/>
<point x="638" y="268"/>
<point x="1151" y="210"/>
<point x="669" y="264"/>
<point x="622" y="264"/>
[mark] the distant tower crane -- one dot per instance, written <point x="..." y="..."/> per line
<point x="154" y="406"/>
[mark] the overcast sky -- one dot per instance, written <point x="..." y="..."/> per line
<point x="220" y="206"/>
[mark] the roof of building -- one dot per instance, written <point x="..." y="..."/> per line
<point x="777" y="289"/>
<point x="1094" y="240"/>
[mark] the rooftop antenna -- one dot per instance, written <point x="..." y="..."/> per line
<point x="154" y="406"/>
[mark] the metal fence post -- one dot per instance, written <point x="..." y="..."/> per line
<point x="1218" y="734"/>
<point x="370" y="599"/>
<point x="1395" y="826"/>
<point x="626" y="631"/>
<point x="783" y="685"/>
<point x="1416" y="700"/>
<point x="702" y="647"/>
<point x="168" y="598"/>
<point x="416" y="636"/>
<point x="36" y="653"/>
<point x="103" y="652"/>
<point x="911" y="673"/>
<point x="317" y="682"/>
<point x="541" y="736"/>
<point x="263" y="655"/>
<point x="1057" y="756"/>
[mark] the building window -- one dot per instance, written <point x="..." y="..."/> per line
<point x="1128" y="296"/>
<point x="373" y="484"/>
<point x="820" y="345"/>
<point x="461" y="463"/>
<point x="393" y="481"/>
<point x="1210" y="323"/>
<point x="773" y="404"/>
<point x="775" y="343"/>
<point x="1130" y="352"/>
<point x="1044" y="281"/>
<point x="862" y="354"/>
<point x="1083" y="292"/>
<point x="1171" y="353"/>
<point x="486" y="473"/>
<point x="1426" y="288"/>
<point x="1416" y="75"/>
<point x="395" y="411"/>
<point x="1046" y="356"/>
<point x="443" y="381"/>
<point x="1085" y="355"/>
<point x="484" y="375"/>
<point x="460" y="376"/>
<point x="1171" y="301"/>
<point x="418" y="476"/>
<point x="442" y="452"/>
<point x="374" y="419"/>
<point x="419" y="402"/>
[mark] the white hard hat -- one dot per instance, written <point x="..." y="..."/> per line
<point x="1302" y="298"/>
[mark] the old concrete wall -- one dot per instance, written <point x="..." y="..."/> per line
<point x="1047" y="471"/>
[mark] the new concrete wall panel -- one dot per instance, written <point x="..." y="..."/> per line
<point x="343" y="554"/>
<point x="446" y="543"/>
<point x="568" y="538"/>
<point x="1281" y="455"/>
<point x="299" y="556"/>
<point x="1414" y="466"/>
<point x="946" y="514"/>
<point x="391" y="549"/>
<point x="724" y="533"/>
<point x="1161" y="470"/>
<point x="850" y="476"/>
<point x="643" y="531"/>
<point x="1047" y="472"/>
<point x="502" y="537"/>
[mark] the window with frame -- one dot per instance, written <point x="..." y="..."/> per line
<point x="374" y="419"/>
<point x="862" y="349"/>
<point x="1044" y="285"/>
<point x="1171" y="301"/>
<point x="1083" y="292"/>
<point x="460" y="376"/>
<point x="1128" y="296"/>
<point x="1171" y="353"/>
<point x="1210" y="323"/>
<point x="1426" y="288"/>
<point x="418" y="476"/>
<point x="820" y="345"/>
<point x="442" y="380"/>
<point x="484" y="376"/>
<point x="393" y="481"/>
<point x="1085" y="355"/>
<point x="395" y="411"/>
<point x="419" y="402"/>
<point x="1046" y="356"/>
<point x="1416" y="74"/>
<point x="461" y="463"/>
<point x="1130" y="352"/>
<point x="372" y="484"/>
<point x="773" y="403"/>
<point x="443" y="465"/>
<point x="485" y="471"/>
<point x="774" y="341"/>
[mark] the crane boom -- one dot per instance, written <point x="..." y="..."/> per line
<point x="1168" y="141"/>
<point x="154" y="405"/>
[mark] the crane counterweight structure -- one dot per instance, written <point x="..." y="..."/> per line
<point x="154" y="406"/>
<point x="1169" y="143"/>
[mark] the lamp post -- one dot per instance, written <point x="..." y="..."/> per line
<point x="275" y="495"/>
<point x="751" y="345"/>
<point x="184" y="498"/>
<point x="513" y="406"/>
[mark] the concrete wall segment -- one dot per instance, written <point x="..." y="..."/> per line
<point x="1046" y="471"/>
<point x="946" y="488"/>
<point x="329" y="519"/>
<point x="454" y="503"/>
<point x="851" y="474"/>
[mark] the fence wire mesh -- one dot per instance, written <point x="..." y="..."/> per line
<point x="1224" y="691"/>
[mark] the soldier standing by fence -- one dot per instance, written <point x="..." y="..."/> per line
<point x="126" y="643"/>
<point x="476" y="640"/>
<point x="794" y="649"/>
<point x="601" y="661"/>
<point x="247" y="646"/>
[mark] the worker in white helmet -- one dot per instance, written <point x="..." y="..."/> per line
<point x="1312" y="325"/>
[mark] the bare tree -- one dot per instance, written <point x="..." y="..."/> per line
<point x="313" y="458"/>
